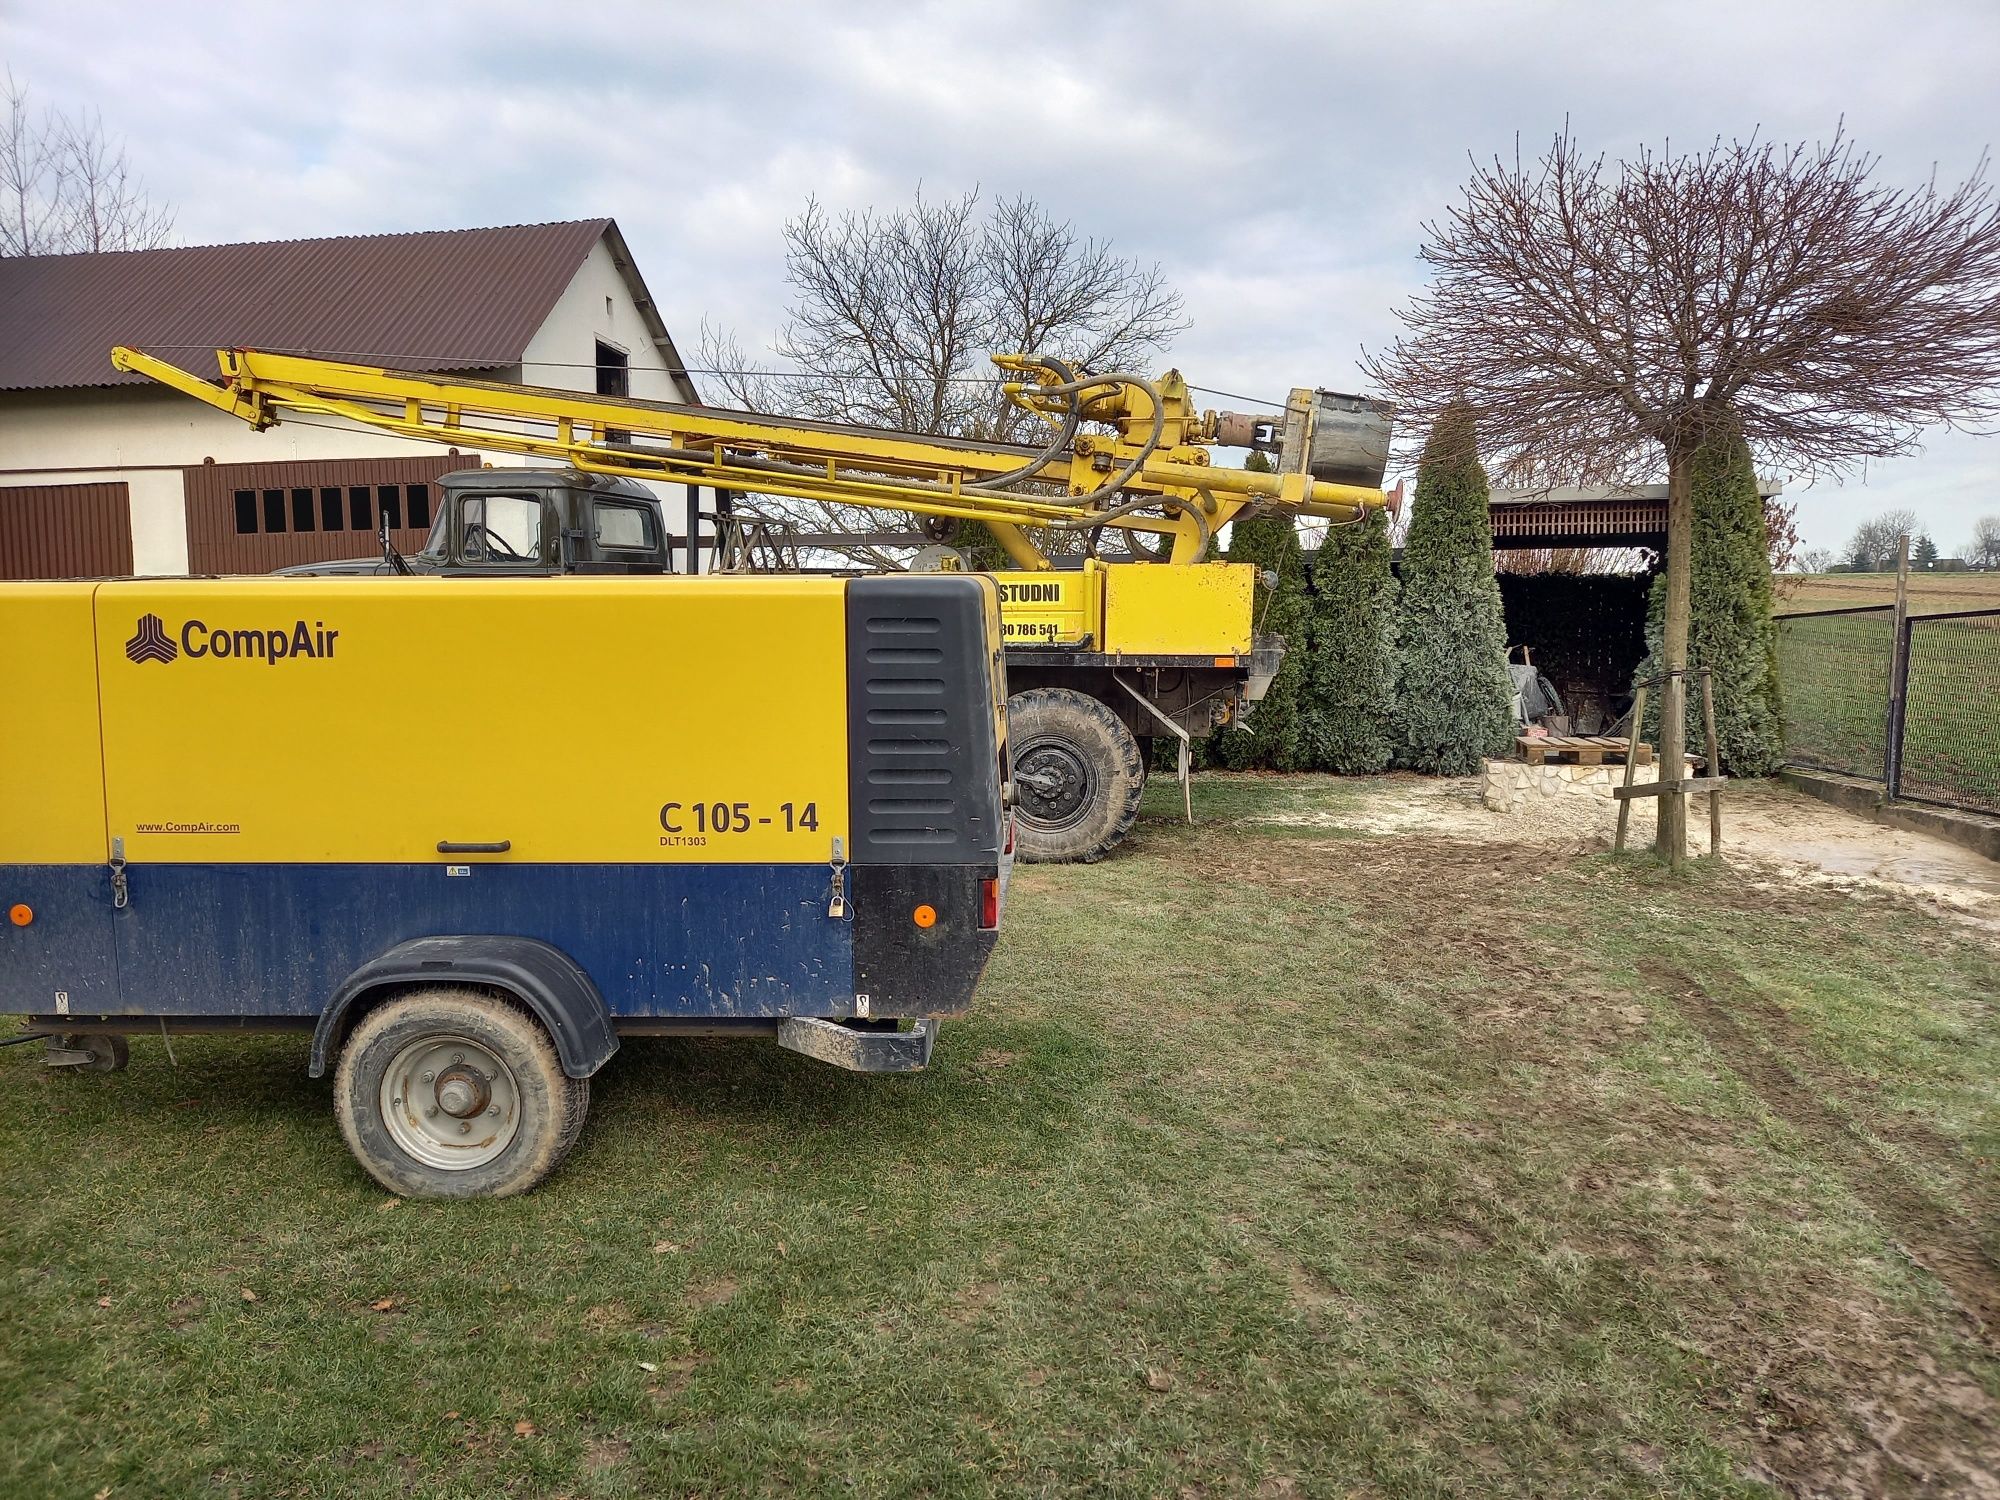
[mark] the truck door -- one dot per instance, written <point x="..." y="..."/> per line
<point x="56" y="890"/>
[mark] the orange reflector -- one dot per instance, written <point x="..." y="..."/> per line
<point x="1225" y="661"/>
<point x="20" y="914"/>
<point x="989" y="905"/>
<point x="925" y="916"/>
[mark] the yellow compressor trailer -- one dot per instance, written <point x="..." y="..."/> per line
<point x="229" y="806"/>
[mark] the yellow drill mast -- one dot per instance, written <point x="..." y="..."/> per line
<point x="1148" y="473"/>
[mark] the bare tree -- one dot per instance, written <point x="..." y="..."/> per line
<point x="1984" y="549"/>
<point x="66" y="186"/>
<point x="1876" y="543"/>
<point x="1600" y="319"/>
<point x="896" y="313"/>
<point x="1813" y="560"/>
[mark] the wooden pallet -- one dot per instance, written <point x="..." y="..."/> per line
<point x="1582" y="749"/>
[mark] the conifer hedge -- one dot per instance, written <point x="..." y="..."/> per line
<point x="1268" y="739"/>
<point x="1349" y="690"/>
<point x="1453" y="697"/>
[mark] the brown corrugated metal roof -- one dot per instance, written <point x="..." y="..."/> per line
<point x="453" y="299"/>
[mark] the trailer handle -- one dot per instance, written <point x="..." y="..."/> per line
<point x="498" y="846"/>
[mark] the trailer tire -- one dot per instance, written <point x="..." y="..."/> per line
<point x="109" y="1051"/>
<point x="1077" y="773"/>
<point x="456" y="1093"/>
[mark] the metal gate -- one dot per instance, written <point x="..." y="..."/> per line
<point x="252" y="518"/>
<point x="1916" y="708"/>
<point x="65" y="531"/>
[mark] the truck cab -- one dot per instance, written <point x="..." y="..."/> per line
<point x="507" y="522"/>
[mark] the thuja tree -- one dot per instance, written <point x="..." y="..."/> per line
<point x="1601" y="318"/>
<point x="1269" y="738"/>
<point x="1349" y="697"/>
<point x="1453" y="698"/>
<point x="1729" y="618"/>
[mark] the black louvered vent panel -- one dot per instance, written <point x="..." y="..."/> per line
<point x="922" y="767"/>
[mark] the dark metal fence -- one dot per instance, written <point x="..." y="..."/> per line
<point x="1916" y="709"/>
<point x="1834" y="670"/>
<point x="1949" y="748"/>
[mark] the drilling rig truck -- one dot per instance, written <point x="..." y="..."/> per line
<point x="1108" y="646"/>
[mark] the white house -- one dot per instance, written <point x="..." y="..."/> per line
<point x="105" y="473"/>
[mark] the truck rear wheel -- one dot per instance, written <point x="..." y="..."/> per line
<point x="456" y="1093"/>
<point x="1077" y="776"/>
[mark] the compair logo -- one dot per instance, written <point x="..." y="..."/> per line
<point x="149" y="642"/>
<point x="198" y="641"/>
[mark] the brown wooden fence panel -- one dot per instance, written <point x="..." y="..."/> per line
<point x="65" y="531"/>
<point x="252" y="518"/>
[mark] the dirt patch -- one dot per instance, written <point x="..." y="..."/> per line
<point x="973" y="1301"/>
<point x="600" y="1454"/>
<point x="1769" y="831"/>
<point x="712" y="1293"/>
<point x="671" y="1376"/>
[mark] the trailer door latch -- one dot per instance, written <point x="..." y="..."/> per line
<point x="121" y="893"/>
<point x="836" y="905"/>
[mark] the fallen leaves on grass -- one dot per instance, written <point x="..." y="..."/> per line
<point x="382" y="1304"/>
<point x="248" y="1295"/>
<point x="524" y="1428"/>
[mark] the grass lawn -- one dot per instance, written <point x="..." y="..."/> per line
<point x="1279" y="1159"/>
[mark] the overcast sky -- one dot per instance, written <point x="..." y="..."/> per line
<point x="1276" y="159"/>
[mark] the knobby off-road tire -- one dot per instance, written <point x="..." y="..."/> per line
<point x="456" y="1093"/>
<point x="1077" y="774"/>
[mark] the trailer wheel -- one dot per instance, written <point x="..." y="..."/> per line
<point x="109" y="1051"/>
<point x="1077" y="776"/>
<point x="456" y="1093"/>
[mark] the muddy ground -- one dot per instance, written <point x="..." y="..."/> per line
<point x="1778" y="834"/>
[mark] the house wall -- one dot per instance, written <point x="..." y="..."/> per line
<point x="563" y="351"/>
<point x="142" y="436"/>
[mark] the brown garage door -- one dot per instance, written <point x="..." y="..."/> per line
<point x="65" y="531"/>
<point x="251" y="518"/>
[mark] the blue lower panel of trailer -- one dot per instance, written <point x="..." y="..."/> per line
<point x="276" y="940"/>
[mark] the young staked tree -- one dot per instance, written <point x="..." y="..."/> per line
<point x="1730" y="631"/>
<point x="1349" y="720"/>
<point x="66" y="186"/>
<point x="897" y="311"/>
<point x="1602" y="319"/>
<point x="1268" y="739"/>
<point x="1453" y="696"/>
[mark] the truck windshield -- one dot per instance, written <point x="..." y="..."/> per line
<point x="436" y="544"/>
<point x="500" y="529"/>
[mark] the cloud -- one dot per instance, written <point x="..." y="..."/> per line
<point x="1277" y="159"/>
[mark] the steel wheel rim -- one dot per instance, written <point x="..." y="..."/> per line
<point x="450" y="1102"/>
<point x="1061" y="808"/>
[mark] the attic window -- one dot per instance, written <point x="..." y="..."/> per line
<point x="614" y="378"/>
<point x="613" y="371"/>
